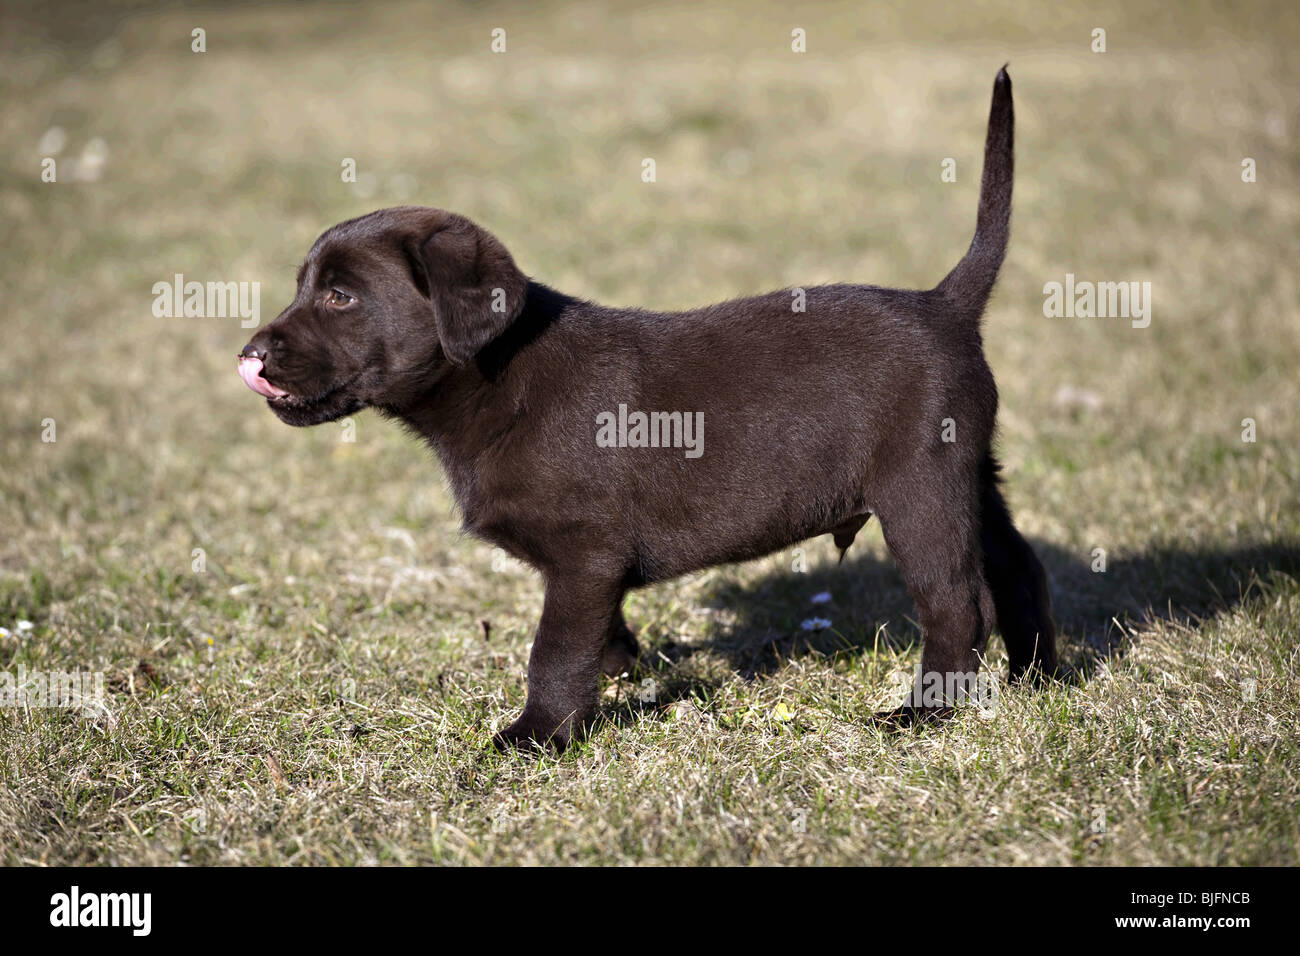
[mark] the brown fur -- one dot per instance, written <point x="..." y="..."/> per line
<point x="814" y="421"/>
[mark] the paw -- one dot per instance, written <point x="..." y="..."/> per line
<point x="617" y="659"/>
<point x="530" y="733"/>
<point x="620" y="654"/>
<point x="900" y="718"/>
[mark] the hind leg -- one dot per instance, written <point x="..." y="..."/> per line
<point x="935" y="540"/>
<point x="1019" y="587"/>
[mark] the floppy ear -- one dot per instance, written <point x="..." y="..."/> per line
<point x="474" y="285"/>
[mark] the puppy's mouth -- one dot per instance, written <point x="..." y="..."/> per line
<point x="287" y="404"/>
<point x="250" y="370"/>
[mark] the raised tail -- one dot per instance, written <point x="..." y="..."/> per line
<point x="969" y="284"/>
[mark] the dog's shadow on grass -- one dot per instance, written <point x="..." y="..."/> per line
<point x="761" y="624"/>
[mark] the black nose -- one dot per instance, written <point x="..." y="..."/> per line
<point x="252" y="350"/>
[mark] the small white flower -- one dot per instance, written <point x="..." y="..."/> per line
<point x="25" y="625"/>
<point x="1068" y="396"/>
<point x="52" y="141"/>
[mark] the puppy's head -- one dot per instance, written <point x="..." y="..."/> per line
<point x="386" y="305"/>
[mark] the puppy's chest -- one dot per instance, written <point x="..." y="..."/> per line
<point x="497" y="505"/>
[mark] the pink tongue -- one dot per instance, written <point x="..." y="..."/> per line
<point x="250" y="370"/>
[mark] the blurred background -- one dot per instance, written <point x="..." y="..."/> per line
<point x="773" y="168"/>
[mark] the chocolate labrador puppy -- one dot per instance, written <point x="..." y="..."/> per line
<point x="572" y="434"/>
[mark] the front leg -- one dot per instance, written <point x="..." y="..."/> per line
<point x="565" y="665"/>
<point x="621" y="648"/>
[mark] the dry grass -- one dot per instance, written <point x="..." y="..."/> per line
<point x="322" y="692"/>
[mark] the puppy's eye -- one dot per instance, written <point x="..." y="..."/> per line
<point x="338" y="299"/>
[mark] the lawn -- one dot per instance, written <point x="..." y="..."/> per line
<point x="289" y="625"/>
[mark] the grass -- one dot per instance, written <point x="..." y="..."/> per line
<point x="321" y="691"/>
